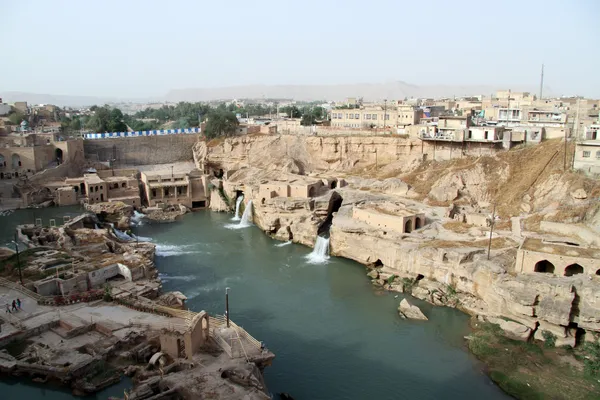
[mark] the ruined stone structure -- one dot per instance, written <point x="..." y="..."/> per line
<point x="536" y="255"/>
<point x="183" y="344"/>
<point x="390" y="218"/>
<point x="27" y="160"/>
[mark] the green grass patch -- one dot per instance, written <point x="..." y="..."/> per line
<point x="531" y="371"/>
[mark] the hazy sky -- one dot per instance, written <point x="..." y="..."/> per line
<point x="130" y="48"/>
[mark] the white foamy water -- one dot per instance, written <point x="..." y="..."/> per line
<point x="218" y="286"/>
<point x="283" y="244"/>
<point x="167" y="277"/>
<point x="122" y="235"/>
<point x="246" y="220"/>
<point x="141" y="238"/>
<point x="237" y="208"/>
<point x="170" y="250"/>
<point x="320" y="254"/>
<point x="137" y="218"/>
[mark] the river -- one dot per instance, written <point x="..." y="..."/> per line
<point x="335" y="336"/>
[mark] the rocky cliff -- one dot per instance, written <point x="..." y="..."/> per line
<point x="306" y="154"/>
<point x="446" y="261"/>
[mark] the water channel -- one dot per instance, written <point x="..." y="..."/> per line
<point x="334" y="335"/>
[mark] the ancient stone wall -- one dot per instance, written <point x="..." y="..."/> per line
<point x="142" y="150"/>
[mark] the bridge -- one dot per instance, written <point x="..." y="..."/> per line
<point x="108" y="135"/>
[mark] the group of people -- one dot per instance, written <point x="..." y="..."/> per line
<point x="16" y="306"/>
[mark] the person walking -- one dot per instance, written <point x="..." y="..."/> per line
<point x="19" y="303"/>
<point x="7" y="308"/>
<point x="14" y="305"/>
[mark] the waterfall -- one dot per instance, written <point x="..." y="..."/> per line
<point x="237" y="208"/>
<point x="122" y="235"/>
<point x="137" y="218"/>
<point x="320" y="253"/>
<point x="246" y="219"/>
<point x="247" y="216"/>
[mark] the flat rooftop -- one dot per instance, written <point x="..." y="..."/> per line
<point x="541" y="246"/>
<point x="178" y="167"/>
<point x="92" y="178"/>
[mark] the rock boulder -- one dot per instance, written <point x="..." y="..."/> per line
<point x="407" y="310"/>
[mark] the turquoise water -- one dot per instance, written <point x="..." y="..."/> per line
<point x="334" y="335"/>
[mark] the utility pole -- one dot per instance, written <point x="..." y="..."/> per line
<point x="18" y="260"/>
<point x="384" y="111"/>
<point x="491" y="230"/>
<point x="508" y="109"/>
<point x="227" y="305"/>
<point x="171" y="171"/>
<point x="565" y="158"/>
<point x="542" y="82"/>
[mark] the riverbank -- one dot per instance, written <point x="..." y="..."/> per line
<point x="451" y="285"/>
<point x="530" y="370"/>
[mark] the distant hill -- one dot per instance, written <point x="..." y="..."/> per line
<point x="369" y="91"/>
<point x="58" y="100"/>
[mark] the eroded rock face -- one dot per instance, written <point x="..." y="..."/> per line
<point x="167" y="213"/>
<point x="410" y="311"/>
<point x="117" y="213"/>
<point x="512" y="329"/>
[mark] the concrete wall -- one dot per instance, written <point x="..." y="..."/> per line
<point x="168" y="344"/>
<point x="587" y="157"/>
<point x="66" y="196"/>
<point x="100" y="276"/>
<point x="477" y="220"/>
<point x="47" y="288"/>
<point x="78" y="283"/>
<point x="142" y="150"/>
<point x="280" y="189"/>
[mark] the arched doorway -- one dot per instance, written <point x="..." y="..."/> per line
<point x="408" y="226"/>
<point x="16" y="161"/>
<point x="418" y="223"/>
<point x="333" y="184"/>
<point x="573" y="269"/>
<point x="598" y="272"/>
<point x="59" y="155"/>
<point x="544" y="266"/>
<point x="82" y="188"/>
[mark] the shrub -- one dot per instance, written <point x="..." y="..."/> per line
<point x="407" y="285"/>
<point x="591" y="361"/>
<point x="107" y="293"/>
<point x="549" y="339"/>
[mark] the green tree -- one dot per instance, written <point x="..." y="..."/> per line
<point x="220" y="122"/>
<point x="106" y="119"/>
<point x="16" y="117"/>
<point x="291" y="111"/>
<point x="319" y="112"/>
<point x="308" y="119"/>
<point x="75" y="124"/>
